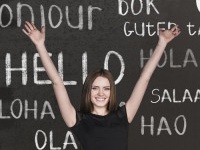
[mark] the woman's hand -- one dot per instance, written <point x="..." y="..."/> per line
<point x="167" y="35"/>
<point x="34" y="34"/>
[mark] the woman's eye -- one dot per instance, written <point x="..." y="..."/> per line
<point x="94" y="88"/>
<point x="107" y="89"/>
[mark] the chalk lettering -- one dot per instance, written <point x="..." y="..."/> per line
<point x="23" y="69"/>
<point x="19" y="13"/>
<point x="47" y="106"/>
<point x="122" y="4"/>
<point x="69" y="140"/>
<point x="121" y="62"/>
<point x="84" y="66"/>
<point x="43" y="134"/>
<point x="184" y="125"/>
<point x="198" y="4"/>
<point x="21" y="109"/>
<point x="164" y="126"/>
<point x="50" y="16"/>
<point x="170" y="96"/>
<point x="91" y="10"/>
<point x="142" y="29"/>
<point x="42" y="69"/>
<point x="37" y="69"/>
<point x="10" y="15"/>
<point x="193" y="30"/>
<point x="90" y="16"/>
<point x="188" y="59"/>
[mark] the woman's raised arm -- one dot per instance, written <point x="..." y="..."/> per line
<point x="38" y="38"/>
<point x="135" y="99"/>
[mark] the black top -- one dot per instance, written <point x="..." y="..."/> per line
<point x="109" y="132"/>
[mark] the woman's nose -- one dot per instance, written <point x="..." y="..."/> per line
<point x="100" y="92"/>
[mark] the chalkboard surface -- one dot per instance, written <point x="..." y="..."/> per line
<point x="82" y="35"/>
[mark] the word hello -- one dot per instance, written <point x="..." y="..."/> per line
<point x="36" y="69"/>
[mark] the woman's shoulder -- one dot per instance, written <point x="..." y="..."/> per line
<point x="121" y="110"/>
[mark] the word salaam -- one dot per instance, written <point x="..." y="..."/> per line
<point x="171" y="96"/>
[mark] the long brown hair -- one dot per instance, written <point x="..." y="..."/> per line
<point x="86" y="104"/>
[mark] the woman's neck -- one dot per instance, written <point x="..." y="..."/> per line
<point x="100" y="111"/>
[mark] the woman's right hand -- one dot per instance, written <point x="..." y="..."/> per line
<point x="34" y="34"/>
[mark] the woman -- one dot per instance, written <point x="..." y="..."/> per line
<point x="99" y="125"/>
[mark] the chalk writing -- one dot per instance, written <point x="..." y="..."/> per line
<point x="171" y="96"/>
<point x="52" y="9"/>
<point x="170" y="57"/>
<point x="69" y="140"/>
<point x="164" y="126"/>
<point x="21" y="109"/>
<point x="38" y="69"/>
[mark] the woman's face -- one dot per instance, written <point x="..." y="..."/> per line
<point x="100" y="92"/>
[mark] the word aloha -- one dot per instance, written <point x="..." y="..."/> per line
<point x="26" y="109"/>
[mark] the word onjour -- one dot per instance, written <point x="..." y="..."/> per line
<point x="53" y="9"/>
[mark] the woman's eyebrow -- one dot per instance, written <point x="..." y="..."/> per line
<point x="98" y="86"/>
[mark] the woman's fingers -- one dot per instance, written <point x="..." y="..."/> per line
<point x="161" y="29"/>
<point x="25" y="32"/>
<point x="34" y="27"/>
<point x="27" y="28"/>
<point x="29" y="25"/>
<point x="168" y="35"/>
<point x="177" y="33"/>
<point x="175" y="30"/>
<point x="43" y="29"/>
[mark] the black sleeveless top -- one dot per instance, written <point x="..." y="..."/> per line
<point x="109" y="132"/>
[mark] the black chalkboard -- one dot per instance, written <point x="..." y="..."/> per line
<point x="82" y="35"/>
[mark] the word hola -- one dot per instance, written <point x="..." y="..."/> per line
<point x="170" y="96"/>
<point x="69" y="140"/>
<point x="189" y="58"/>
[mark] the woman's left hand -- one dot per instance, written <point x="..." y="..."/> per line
<point x="34" y="34"/>
<point x="168" y="35"/>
